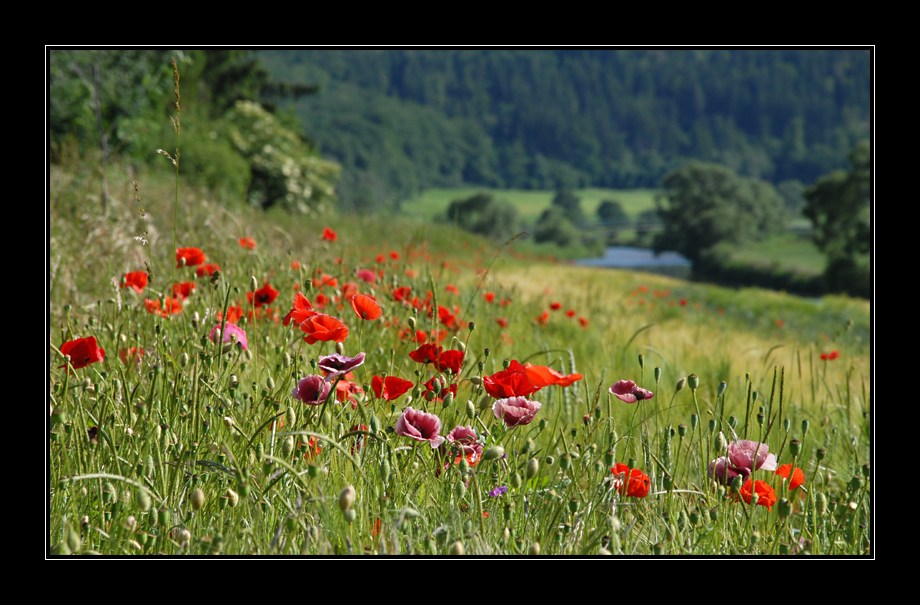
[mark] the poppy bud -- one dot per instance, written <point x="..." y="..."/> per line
<point x="197" y="499"/>
<point x="470" y="410"/>
<point x="681" y="384"/>
<point x="722" y="386"/>
<point x="460" y="490"/>
<point x="493" y="453"/>
<point x="506" y="363"/>
<point x="565" y="461"/>
<point x="549" y="460"/>
<point x="786" y="424"/>
<point x="821" y="504"/>
<point x="682" y="429"/>
<point x="732" y="422"/>
<point x="471" y="325"/>
<point x="754" y="396"/>
<point x="476" y="380"/>
<point x="340" y="348"/>
<point x="287" y="446"/>
<point x="456" y="548"/>
<point x="534" y="549"/>
<point x="693" y="381"/>
<point x="374" y="424"/>
<point x="737" y="484"/>
<point x="253" y="284"/>
<point x="350" y="516"/>
<point x="784" y="507"/>
<point x="712" y="425"/>
<point x="347" y="498"/>
<point x="464" y="466"/>
<point x="533" y="466"/>
<point x="761" y="418"/>
<point x="820" y="453"/>
<point x="448" y="399"/>
<point x="515" y="480"/>
<point x="228" y="422"/>
<point x="641" y="361"/>
<point x="411" y="322"/>
<point x="657" y="375"/>
<point x="856" y="483"/>
<point x="486" y="352"/>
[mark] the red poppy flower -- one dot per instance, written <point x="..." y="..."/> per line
<point x="265" y="295"/>
<point x="542" y="319"/>
<point x="502" y="321"/>
<point x="452" y="289"/>
<point x="321" y="301"/>
<point x="295" y="265"/>
<point x="570" y="313"/>
<point x="329" y="234"/>
<point x="184" y="290"/>
<point x="82" y="351"/>
<point x="131" y="356"/>
<point x="512" y="382"/>
<point x="170" y="306"/>
<point x="765" y="494"/>
<point x="325" y="328"/>
<point x="208" y="269"/>
<point x="583" y="322"/>
<point x="451" y="361"/>
<point x="555" y="306"/>
<point x="829" y="356"/>
<point x="391" y="387"/>
<point x="638" y="484"/>
<point x="248" y="242"/>
<point x="311" y="449"/>
<point x="427" y="353"/>
<point x="683" y="302"/>
<point x="365" y="307"/>
<point x="234" y="313"/>
<point x="137" y="280"/>
<point x="488" y="296"/>
<point x="191" y="257"/>
<point x="542" y="376"/>
<point x="798" y="477"/>
<point x="302" y="310"/>
<point x="401" y="294"/>
<point x="447" y="318"/>
<point x="394" y="254"/>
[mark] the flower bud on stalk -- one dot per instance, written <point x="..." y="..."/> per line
<point x="693" y="381"/>
<point x="347" y="498"/>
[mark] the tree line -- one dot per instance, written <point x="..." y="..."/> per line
<point x="399" y="121"/>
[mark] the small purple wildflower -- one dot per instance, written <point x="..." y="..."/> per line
<point x="498" y="491"/>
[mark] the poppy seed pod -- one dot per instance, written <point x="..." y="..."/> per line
<point x="795" y="447"/>
<point x="693" y="381"/>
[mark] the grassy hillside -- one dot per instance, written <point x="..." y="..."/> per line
<point x="167" y="444"/>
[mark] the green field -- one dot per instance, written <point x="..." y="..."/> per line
<point x="530" y="204"/>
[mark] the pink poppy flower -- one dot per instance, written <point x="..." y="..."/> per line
<point x="367" y="275"/>
<point x="515" y="411"/>
<point x="742" y="454"/>
<point x="232" y="334"/>
<point x="336" y="365"/>
<point x="312" y="390"/>
<point x="420" y="426"/>
<point x="626" y="390"/>
<point x="465" y="439"/>
<point x="722" y="470"/>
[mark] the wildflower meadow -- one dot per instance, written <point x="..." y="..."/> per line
<point x="225" y="380"/>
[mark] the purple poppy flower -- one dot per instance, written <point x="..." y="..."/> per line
<point x="336" y="365"/>
<point x="626" y="390"/>
<point x="232" y="334"/>
<point x="515" y="411"/>
<point x="312" y="390"/>
<point x="420" y="426"/>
